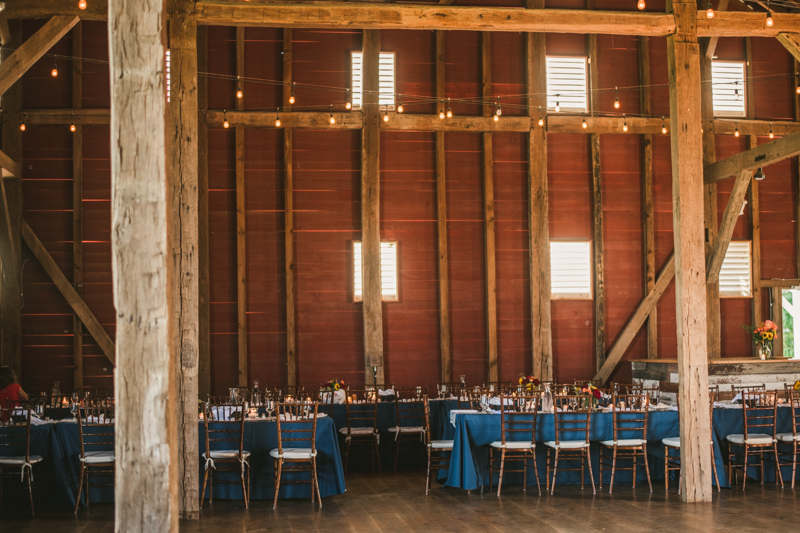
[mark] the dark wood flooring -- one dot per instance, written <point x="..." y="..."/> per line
<point x="397" y="502"/>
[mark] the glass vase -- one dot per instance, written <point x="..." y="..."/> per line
<point x="764" y="351"/>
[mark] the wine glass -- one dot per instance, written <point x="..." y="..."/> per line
<point x="74" y="407"/>
<point x="270" y="407"/>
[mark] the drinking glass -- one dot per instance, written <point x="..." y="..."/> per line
<point x="74" y="407"/>
<point x="419" y="393"/>
<point x="270" y="407"/>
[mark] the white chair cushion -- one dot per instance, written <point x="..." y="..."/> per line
<point x="99" y="457"/>
<point x="783" y="437"/>
<point x="672" y="442"/>
<point x="623" y="443"/>
<point x="567" y="444"/>
<point x="357" y="431"/>
<point x="753" y="438"/>
<point x="406" y="429"/>
<point x="441" y="444"/>
<point x="293" y="453"/>
<point x="513" y="445"/>
<point x="227" y="454"/>
<point x="20" y="460"/>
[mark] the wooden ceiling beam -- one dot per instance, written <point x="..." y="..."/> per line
<point x="725" y="233"/>
<point x="38" y="9"/>
<point x="760" y="156"/>
<point x="9" y="166"/>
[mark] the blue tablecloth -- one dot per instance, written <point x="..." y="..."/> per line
<point x="469" y="467"/>
<point x="260" y="436"/>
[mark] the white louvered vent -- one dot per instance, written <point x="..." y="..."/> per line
<point x="385" y="82"/>
<point x="388" y="271"/>
<point x="734" y="276"/>
<point x="571" y="269"/>
<point x="167" y="65"/>
<point x="566" y="84"/>
<point x="728" y="88"/>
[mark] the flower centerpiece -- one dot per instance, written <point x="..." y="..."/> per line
<point x="763" y="336"/>
<point x="334" y="385"/>
<point x="333" y="391"/>
<point x="591" y="394"/>
<point x="529" y="382"/>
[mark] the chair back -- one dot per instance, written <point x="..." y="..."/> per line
<point x="759" y="409"/>
<point x="629" y="413"/>
<point x="428" y="434"/>
<point x="572" y="420"/>
<point x="469" y="398"/>
<point x="713" y="391"/>
<point x="409" y="410"/>
<point x="224" y="424"/>
<point x="293" y="421"/>
<point x="584" y="382"/>
<point x="15" y="430"/>
<point x="96" y="429"/>
<point x="362" y="410"/>
<point x="518" y="418"/>
<point x="326" y="398"/>
<point x="794" y="405"/>
<point x="747" y="388"/>
<point x="496" y="388"/>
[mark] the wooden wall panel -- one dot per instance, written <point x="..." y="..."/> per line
<point x="769" y="58"/>
<point x="462" y="71"/>
<point x="262" y="61"/>
<point x="96" y="92"/>
<point x="322" y="58"/>
<point x="414" y="66"/>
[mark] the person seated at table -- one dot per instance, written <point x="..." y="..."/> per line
<point x="10" y="391"/>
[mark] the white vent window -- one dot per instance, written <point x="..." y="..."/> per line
<point x="385" y="81"/>
<point x="728" y="83"/>
<point x="388" y="272"/>
<point x="734" y="276"/>
<point x="167" y="60"/>
<point x="566" y="84"/>
<point x="571" y="270"/>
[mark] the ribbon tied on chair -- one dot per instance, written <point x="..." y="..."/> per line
<point x="29" y="466"/>
<point x="210" y="462"/>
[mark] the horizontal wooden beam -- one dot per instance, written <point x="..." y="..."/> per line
<point x="9" y="166"/>
<point x="632" y="327"/>
<point x="456" y="123"/>
<point x="761" y="156"/>
<point x="294" y="120"/>
<point x="38" y="9"/>
<point x="53" y="117"/>
<point x="780" y="282"/>
<point x="68" y="291"/>
<point x="12" y="69"/>
<point x="761" y="128"/>
<point x="603" y="125"/>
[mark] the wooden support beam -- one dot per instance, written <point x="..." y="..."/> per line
<point x="722" y="5"/>
<point x="729" y="218"/>
<point x="754" y="127"/>
<point x="445" y="343"/>
<point x="784" y="283"/>
<point x="370" y="213"/>
<point x="79" y="117"/>
<point x="5" y="32"/>
<point x="8" y="225"/>
<point x="790" y="41"/>
<point x="604" y="125"/>
<point x="630" y="330"/>
<point x="23" y="58"/>
<point x="755" y="237"/>
<point x="184" y="226"/>
<point x="241" y="233"/>
<point x="77" y="204"/>
<point x="146" y="466"/>
<point x="597" y="215"/>
<point x="288" y="218"/>
<point x="204" y="303"/>
<point x="538" y="206"/>
<point x="409" y="122"/>
<point x="37" y="9"/>
<point x="488" y="215"/>
<point x="648" y="215"/>
<point x="796" y="111"/>
<point x="776" y="309"/>
<point x="63" y="285"/>
<point x="9" y="166"/>
<point x="10" y="281"/>
<point x="683" y="54"/>
<point x="757" y="156"/>
<point x="294" y="120"/>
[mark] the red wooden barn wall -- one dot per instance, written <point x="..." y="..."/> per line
<point x="327" y="210"/>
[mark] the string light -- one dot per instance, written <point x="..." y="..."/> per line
<point x="625" y="124"/>
<point x="54" y="72"/>
<point x="797" y="89"/>
<point x="331" y="119"/>
<point x="449" y="112"/>
<point x="759" y="175"/>
<point x="736" y="131"/>
<point x="348" y="104"/>
<point x="82" y="4"/>
<point x="770" y="22"/>
<point x="278" y="118"/>
<point x="583" y="125"/>
<point x="239" y="92"/>
<point x="400" y="107"/>
<point x="441" y="110"/>
<point x="72" y="127"/>
<point x="495" y="117"/>
<point x="291" y="98"/>
<point x="22" y="124"/>
<point x="616" y="98"/>
<point x="2" y="6"/>
<point x="736" y="89"/>
<point x="663" y="126"/>
<point x="710" y="11"/>
<point x="225" y="119"/>
<point x="771" y="135"/>
<point x="386" y="116"/>
<point x="640" y="5"/>
<point x="558" y="107"/>
<point x="541" y="119"/>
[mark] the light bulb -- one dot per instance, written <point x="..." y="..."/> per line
<point x="277" y="122"/>
<point x="498" y="111"/>
<point x="332" y="120"/>
<point x="82" y="4"/>
<point x="558" y="107"/>
<point x="770" y="22"/>
<point x="625" y="126"/>
<point x="22" y="126"/>
<point x="385" y="116"/>
<point x="400" y="107"/>
<point x="736" y="131"/>
<point x="348" y="104"/>
<point x="541" y="120"/>
<point x="710" y="11"/>
<point x="663" y="126"/>
<point x="449" y="113"/>
<point x="771" y="135"/>
<point x="640" y="5"/>
<point x="495" y="118"/>
<point x="291" y="98"/>
<point x="797" y="89"/>
<point x="616" y="103"/>
<point x="54" y="72"/>
<point x="239" y="93"/>
<point x="441" y="113"/>
<point x="225" y="124"/>
<point x="72" y="128"/>
<point x="583" y="125"/>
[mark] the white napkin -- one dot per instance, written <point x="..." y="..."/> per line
<point x="455" y="412"/>
<point x="387" y="392"/>
<point x="224" y="411"/>
<point x="496" y="401"/>
<point x="737" y="398"/>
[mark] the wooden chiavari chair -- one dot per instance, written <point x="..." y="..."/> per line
<point x="673" y="463"/>
<point x="362" y="424"/>
<point x="584" y="382"/>
<point x="224" y="424"/>
<point x="410" y="417"/>
<point x="570" y="416"/>
<point x="788" y="389"/>
<point x="760" y="410"/>
<point x="747" y="388"/>
<point x="15" y="447"/>
<point x="326" y="400"/>
<point x="96" y="432"/>
<point x="297" y="445"/>
<point x="792" y="438"/>
<point x="438" y="450"/>
<point x="630" y="436"/>
<point x="517" y="439"/>
<point x="713" y="391"/>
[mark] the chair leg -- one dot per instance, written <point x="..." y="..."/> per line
<point x="613" y="469"/>
<point x="203" y="494"/>
<point x="30" y="492"/>
<point x="547" y="470"/>
<point x="602" y="455"/>
<point x="244" y="490"/>
<point x="583" y="471"/>
<point x="633" y="471"/>
<point x="714" y="467"/>
<point x="646" y="467"/>
<point x="666" y="468"/>
<point x="347" y="455"/>
<point x="491" y="468"/>
<point x="555" y="471"/>
<point x="502" y="466"/>
<point x="316" y="481"/>
<point x="80" y="488"/>
<point x="591" y="475"/>
<point x="794" y="463"/>
<point x="277" y="484"/>
<point x="761" y="460"/>
<point x="377" y="447"/>
<point x="397" y="449"/>
<point x="744" y="468"/>
<point x="525" y="472"/>
<point x="777" y="465"/>
<point x="536" y="472"/>
<point x="428" y="476"/>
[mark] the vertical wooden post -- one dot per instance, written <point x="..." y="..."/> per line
<point x="288" y="217"/>
<point x="796" y="111"/>
<point x="146" y="463"/>
<point x="538" y="224"/>
<point x="709" y="199"/>
<point x="184" y="199"/>
<point x="597" y="219"/>
<point x="690" y="277"/>
<point x="77" y="205"/>
<point x="241" y="234"/>
<point x="445" y="346"/>
<point x="10" y="288"/>
<point x="648" y="216"/>
<point x="488" y="213"/>
<point x="776" y="307"/>
<point x="755" y="236"/>
<point x="204" y="303"/>
<point x="370" y="212"/>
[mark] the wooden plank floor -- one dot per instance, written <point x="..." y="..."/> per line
<point x="397" y="502"/>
